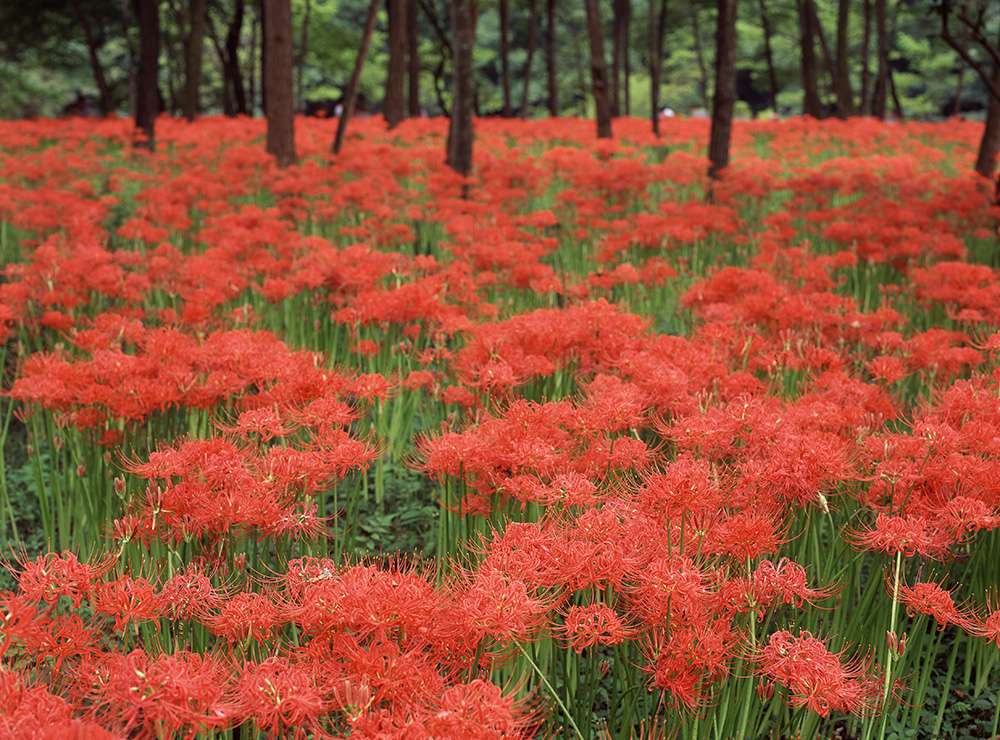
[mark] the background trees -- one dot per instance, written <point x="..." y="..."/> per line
<point x="881" y="57"/>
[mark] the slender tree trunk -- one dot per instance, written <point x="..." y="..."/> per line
<point x="626" y="64"/>
<point x="617" y="54"/>
<point x="725" y="88"/>
<point x="194" y="45"/>
<point x="263" y="56"/>
<point x="598" y="70"/>
<point x="505" y="57"/>
<point x="233" y="59"/>
<point x="351" y="96"/>
<point x="252" y="64"/>
<point x="394" y="108"/>
<point x="301" y="61"/>
<point x="882" y="52"/>
<point x="699" y="54"/>
<point x="278" y="82"/>
<point x="811" y="105"/>
<point x="864" y="102"/>
<point x="845" y="96"/>
<point x="459" y="155"/>
<point x="132" y="57"/>
<point x="532" y="20"/>
<point x="550" y="50"/>
<point x="147" y="104"/>
<point x="772" y="75"/>
<point x="657" y="26"/>
<point x="95" y="63"/>
<point x="413" y="60"/>
<point x="989" y="145"/>
<point x="831" y="67"/>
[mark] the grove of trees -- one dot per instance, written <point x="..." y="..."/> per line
<point x="927" y="59"/>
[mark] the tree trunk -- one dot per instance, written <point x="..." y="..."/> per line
<point x="394" y="107"/>
<point x="989" y="145"/>
<point x="550" y="49"/>
<point x="864" y="101"/>
<point x="252" y="63"/>
<point x="845" y="96"/>
<point x="505" y="57"/>
<point x="95" y="63"/>
<point x="626" y="64"/>
<point x="831" y="67"/>
<point x="147" y="104"/>
<point x="772" y="75"/>
<point x="618" y="52"/>
<point x="194" y="44"/>
<point x="882" y="52"/>
<point x="725" y="88"/>
<point x="657" y="24"/>
<point x="811" y="105"/>
<point x="598" y="70"/>
<point x="413" y="60"/>
<point x="532" y="20"/>
<point x="263" y="56"/>
<point x="351" y="96"/>
<point x="233" y="60"/>
<point x="699" y="54"/>
<point x="301" y="61"/>
<point x="459" y="154"/>
<point x="278" y="81"/>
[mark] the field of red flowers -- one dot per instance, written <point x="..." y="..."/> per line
<point x="332" y="451"/>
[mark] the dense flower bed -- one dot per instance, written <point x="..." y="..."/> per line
<point x="665" y="465"/>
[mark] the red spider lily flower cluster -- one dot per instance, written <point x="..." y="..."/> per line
<point x="652" y="424"/>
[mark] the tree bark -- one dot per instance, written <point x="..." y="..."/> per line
<point x="845" y="95"/>
<point x="831" y="67"/>
<point x="394" y="108"/>
<point x="619" y="51"/>
<point x="505" y="56"/>
<point x="772" y="75"/>
<point x="626" y="64"/>
<point x="811" y="105"/>
<point x="95" y="63"/>
<point x="532" y="20"/>
<point x="147" y="104"/>
<point x="657" y="25"/>
<point x="598" y="71"/>
<point x="351" y="96"/>
<point x="699" y="54"/>
<point x="550" y="48"/>
<point x="278" y="81"/>
<point x="864" y="102"/>
<point x="413" y="60"/>
<point x="725" y="88"/>
<point x="233" y="59"/>
<point x="194" y="45"/>
<point x="882" y="52"/>
<point x="301" y="61"/>
<point x="989" y="145"/>
<point x="459" y="153"/>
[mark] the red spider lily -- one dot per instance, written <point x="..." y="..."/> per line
<point x="128" y="600"/>
<point x="594" y="624"/>
<point x="283" y="698"/>
<point x="817" y="679"/>
<point x="32" y="711"/>
<point x="245" y="616"/>
<point x="51" y="576"/>
<point x="501" y="607"/>
<point x="909" y="535"/>
<point x="934" y="600"/>
<point x="180" y="694"/>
